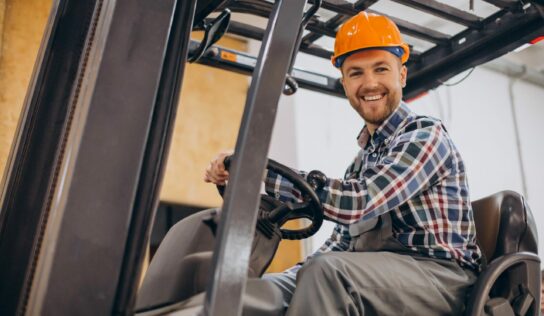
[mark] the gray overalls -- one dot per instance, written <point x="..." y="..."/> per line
<point x="378" y="276"/>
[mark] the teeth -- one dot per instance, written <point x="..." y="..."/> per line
<point x="372" y="98"/>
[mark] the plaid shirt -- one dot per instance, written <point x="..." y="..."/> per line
<point x="410" y="168"/>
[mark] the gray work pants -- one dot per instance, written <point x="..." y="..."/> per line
<point x="379" y="283"/>
<point x="369" y="281"/>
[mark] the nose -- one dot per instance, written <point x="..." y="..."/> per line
<point x="369" y="81"/>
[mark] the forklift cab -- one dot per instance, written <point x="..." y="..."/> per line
<point x="82" y="183"/>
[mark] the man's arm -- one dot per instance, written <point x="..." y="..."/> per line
<point x="282" y="189"/>
<point x="416" y="159"/>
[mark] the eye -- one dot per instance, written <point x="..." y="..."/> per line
<point x="354" y="73"/>
<point x="381" y="69"/>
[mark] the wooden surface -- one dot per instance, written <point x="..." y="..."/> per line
<point x="22" y="26"/>
<point x="208" y="119"/>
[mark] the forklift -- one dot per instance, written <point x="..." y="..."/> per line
<point x="82" y="183"/>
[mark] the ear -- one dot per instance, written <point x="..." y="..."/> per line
<point x="403" y="75"/>
<point x="342" y="82"/>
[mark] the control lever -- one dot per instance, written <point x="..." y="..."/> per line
<point x="291" y="85"/>
<point x="226" y="162"/>
<point x="213" y="31"/>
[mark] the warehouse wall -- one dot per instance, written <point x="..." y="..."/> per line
<point x="477" y="113"/>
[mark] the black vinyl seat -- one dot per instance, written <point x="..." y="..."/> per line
<point x="510" y="281"/>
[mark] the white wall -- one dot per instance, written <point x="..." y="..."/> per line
<point x="317" y="131"/>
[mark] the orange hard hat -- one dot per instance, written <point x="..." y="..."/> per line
<point x="367" y="30"/>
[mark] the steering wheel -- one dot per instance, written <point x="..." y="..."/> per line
<point x="274" y="213"/>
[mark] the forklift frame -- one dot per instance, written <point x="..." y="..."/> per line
<point x="82" y="184"/>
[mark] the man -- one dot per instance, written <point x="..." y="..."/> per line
<point x="542" y="292"/>
<point x="404" y="243"/>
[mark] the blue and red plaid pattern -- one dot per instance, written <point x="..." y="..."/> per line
<point x="410" y="168"/>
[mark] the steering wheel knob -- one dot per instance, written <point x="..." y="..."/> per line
<point x="316" y="179"/>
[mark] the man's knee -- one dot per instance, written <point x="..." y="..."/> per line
<point x="320" y="267"/>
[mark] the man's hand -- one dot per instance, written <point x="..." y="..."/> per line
<point x="215" y="172"/>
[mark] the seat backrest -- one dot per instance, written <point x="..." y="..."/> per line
<point x="504" y="224"/>
<point x="182" y="259"/>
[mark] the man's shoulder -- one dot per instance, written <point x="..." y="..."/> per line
<point x="415" y="121"/>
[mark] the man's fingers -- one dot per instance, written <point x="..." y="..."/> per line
<point x="219" y="179"/>
<point x="216" y="177"/>
<point x="216" y="172"/>
<point x="219" y="163"/>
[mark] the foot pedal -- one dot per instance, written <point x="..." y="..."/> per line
<point x="498" y="306"/>
<point x="522" y="304"/>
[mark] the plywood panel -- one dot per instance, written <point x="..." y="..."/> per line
<point x="2" y="11"/>
<point x="208" y="119"/>
<point x="23" y="26"/>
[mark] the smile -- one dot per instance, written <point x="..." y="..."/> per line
<point x="373" y="97"/>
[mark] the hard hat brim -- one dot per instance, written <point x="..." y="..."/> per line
<point x="402" y="51"/>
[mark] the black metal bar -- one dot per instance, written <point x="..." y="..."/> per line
<point x="156" y="152"/>
<point x="291" y="85"/>
<point x="418" y="31"/>
<point x="245" y="30"/>
<point x="320" y="27"/>
<point x="316" y="50"/>
<point x="444" y="11"/>
<point x="505" y="4"/>
<point x="262" y="9"/>
<point x="87" y="242"/>
<point x="405" y="27"/>
<point x="231" y="60"/>
<point x="337" y="20"/>
<point x="256" y="33"/>
<point x="32" y="169"/>
<point x="501" y="33"/>
<point x="333" y="23"/>
<point x="339" y="6"/>
<point x="231" y="254"/>
<point x="205" y="7"/>
<point x="255" y="7"/>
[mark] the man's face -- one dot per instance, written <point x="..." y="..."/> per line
<point x="373" y="81"/>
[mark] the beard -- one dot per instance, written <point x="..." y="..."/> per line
<point x="374" y="116"/>
<point x="377" y="117"/>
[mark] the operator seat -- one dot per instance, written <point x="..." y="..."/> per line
<point x="509" y="283"/>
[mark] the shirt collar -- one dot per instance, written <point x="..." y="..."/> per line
<point x="386" y="129"/>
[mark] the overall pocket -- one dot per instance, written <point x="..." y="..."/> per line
<point x="375" y="235"/>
